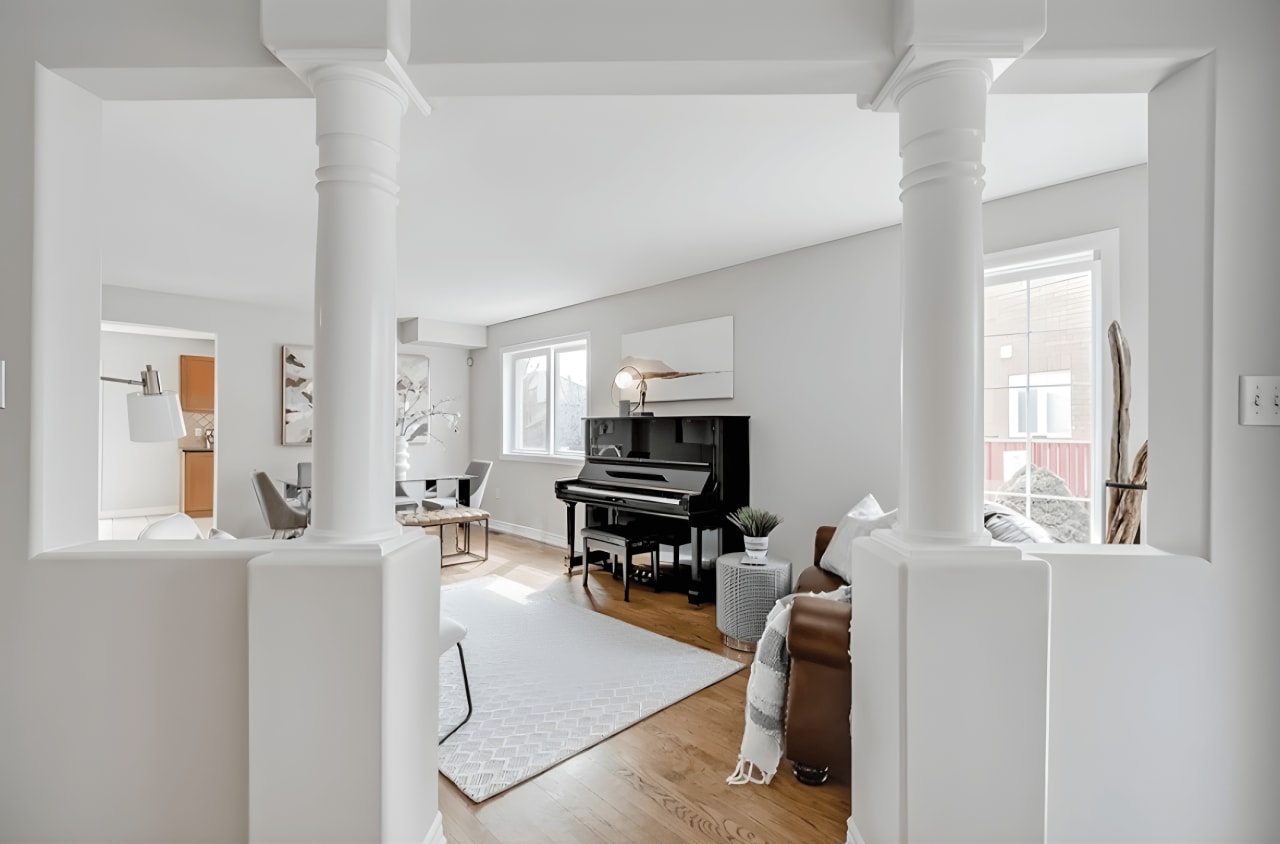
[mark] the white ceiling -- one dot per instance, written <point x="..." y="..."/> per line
<point x="517" y="205"/>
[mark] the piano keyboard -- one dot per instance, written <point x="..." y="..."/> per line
<point x="595" y="492"/>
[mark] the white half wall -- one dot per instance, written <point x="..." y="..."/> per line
<point x="126" y="697"/>
<point x="1139" y="699"/>
<point x="343" y="675"/>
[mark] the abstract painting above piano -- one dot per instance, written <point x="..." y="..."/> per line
<point x="675" y="476"/>
<point x="693" y="360"/>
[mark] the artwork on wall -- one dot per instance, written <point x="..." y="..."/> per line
<point x="413" y="397"/>
<point x="693" y="360"/>
<point x="297" y="380"/>
<point x="414" y="408"/>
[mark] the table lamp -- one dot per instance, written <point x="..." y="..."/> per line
<point x="628" y="376"/>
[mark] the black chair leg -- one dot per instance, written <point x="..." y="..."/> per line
<point x="466" y="686"/>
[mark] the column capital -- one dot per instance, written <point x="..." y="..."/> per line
<point x="930" y="35"/>
<point x="918" y="64"/>
<point x="369" y="36"/>
<point x="312" y="65"/>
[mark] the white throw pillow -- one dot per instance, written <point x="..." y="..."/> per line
<point x="865" y="517"/>
<point x="219" y="533"/>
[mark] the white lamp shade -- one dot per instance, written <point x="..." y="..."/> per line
<point x="154" y="419"/>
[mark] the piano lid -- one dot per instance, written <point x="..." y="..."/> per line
<point x="683" y="478"/>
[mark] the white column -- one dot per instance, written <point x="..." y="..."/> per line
<point x="950" y="632"/>
<point x="942" y="118"/>
<point x="358" y="114"/>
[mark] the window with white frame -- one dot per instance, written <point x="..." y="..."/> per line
<point x="1041" y="343"/>
<point x="545" y="398"/>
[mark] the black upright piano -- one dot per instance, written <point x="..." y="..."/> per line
<point x="674" y="473"/>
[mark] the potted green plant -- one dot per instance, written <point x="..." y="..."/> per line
<point x="755" y="525"/>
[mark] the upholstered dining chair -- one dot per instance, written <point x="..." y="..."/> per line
<point x="451" y="635"/>
<point x="479" y="472"/>
<point x="285" y="520"/>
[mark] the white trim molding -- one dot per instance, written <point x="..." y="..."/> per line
<point x="545" y="537"/>
<point x="435" y="835"/>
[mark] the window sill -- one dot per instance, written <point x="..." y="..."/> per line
<point x="543" y="458"/>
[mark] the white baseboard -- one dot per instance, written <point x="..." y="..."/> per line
<point x="156" y="510"/>
<point x="435" y="835"/>
<point x="855" y="837"/>
<point x="556" y="539"/>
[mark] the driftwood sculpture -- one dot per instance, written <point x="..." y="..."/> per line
<point x="1124" y="502"/>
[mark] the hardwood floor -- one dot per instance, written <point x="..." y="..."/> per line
<point x="660" y="781"/>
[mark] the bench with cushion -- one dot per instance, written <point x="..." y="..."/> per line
<point x="464" y="517"/>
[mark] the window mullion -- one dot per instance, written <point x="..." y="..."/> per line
<point x="553" y="366"/>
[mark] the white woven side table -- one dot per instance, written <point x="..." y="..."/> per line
<point x="746" y="590"/>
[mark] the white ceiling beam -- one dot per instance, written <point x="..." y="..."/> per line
<point x="414" y="331"/>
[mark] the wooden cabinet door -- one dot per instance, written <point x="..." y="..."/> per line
<point x="197" y="483"/>
<point x="196" y="390"/>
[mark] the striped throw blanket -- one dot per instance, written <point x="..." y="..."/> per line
<point x="767" y="695"/>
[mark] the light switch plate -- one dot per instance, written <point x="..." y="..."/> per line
<point x="1260" y="399"/>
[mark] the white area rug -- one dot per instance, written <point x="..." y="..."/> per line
<point x="549" y="679"/>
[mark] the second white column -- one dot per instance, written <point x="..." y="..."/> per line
<point x="358" y="116"/>
<point x="942" y="117"/>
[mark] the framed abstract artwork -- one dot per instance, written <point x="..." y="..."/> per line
<point x="297" y="370"/>
<point x="693" y="360"/>
<point x="413" y="397"/>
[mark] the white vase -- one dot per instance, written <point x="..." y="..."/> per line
<point x="756" y="546"/>
<point x="402" y="459"/>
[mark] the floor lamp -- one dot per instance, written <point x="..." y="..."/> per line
<point x="154" y="415"/>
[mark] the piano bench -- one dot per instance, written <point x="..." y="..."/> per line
<point x="619" y="540"/>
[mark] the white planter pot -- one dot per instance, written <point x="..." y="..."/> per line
<point x="756" y="546"/>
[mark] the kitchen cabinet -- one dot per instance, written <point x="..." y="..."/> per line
<point x="196" y="383"/>
<point x="197" y="483"/>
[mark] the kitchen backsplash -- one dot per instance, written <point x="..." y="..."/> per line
<point x="203" y="421"/>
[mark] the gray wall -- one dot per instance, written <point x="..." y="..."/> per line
<point x="815" y="358"/>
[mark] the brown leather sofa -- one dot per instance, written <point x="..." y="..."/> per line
<point x="816" y="725"/>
